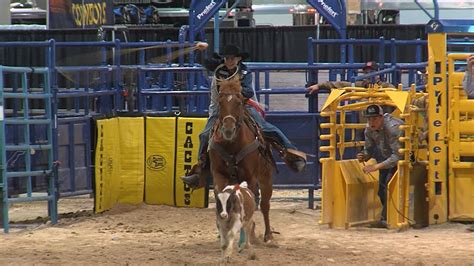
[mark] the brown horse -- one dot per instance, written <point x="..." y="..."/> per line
<point x="237" y="153"/>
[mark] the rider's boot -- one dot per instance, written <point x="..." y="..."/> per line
<point x="295" y="159"/>
<point x="197" y="177"/>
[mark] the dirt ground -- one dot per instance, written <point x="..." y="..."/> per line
<point x="162" y="235"/>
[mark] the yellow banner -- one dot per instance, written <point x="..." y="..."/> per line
<point x="132" y="160"/>
<point x="160" y="156"/>
<point x="188" y="130"/>
<point x="107" y="157"/>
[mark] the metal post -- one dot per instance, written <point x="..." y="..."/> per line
<point x="3" y="178"/>
<point x="216" y="33"/>
<point x="436" y="87"/>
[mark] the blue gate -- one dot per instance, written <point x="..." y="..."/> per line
<point x="26" y="141"/>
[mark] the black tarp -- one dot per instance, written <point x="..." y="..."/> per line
<point x="265" y="44"/>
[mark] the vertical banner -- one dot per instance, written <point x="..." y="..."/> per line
<point x="119" y="162"/>
<point x="65" y="14"/>
<point x="132" y="161"/>
<point x="171" y="150"/>
<point x="187" y="145"/>
<point x="107" y="157"/>
<point x="160" y="156"/>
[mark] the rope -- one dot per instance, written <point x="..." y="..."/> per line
<point x="229" y="78"/>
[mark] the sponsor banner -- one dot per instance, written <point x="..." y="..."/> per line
<point x="171" y="150"/>
<point x="80" y="13"/>
<point x="119" y="162"/>
<point x="202" y="11"/>
<point x="107" y="157"/>
<point x="187" y="146"/>
<point x="160" y="157"/>
<point x="333" y="11"/>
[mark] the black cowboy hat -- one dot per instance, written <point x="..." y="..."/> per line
<point x="233" y="50"/>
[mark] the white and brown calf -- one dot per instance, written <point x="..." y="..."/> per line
<point x="235" y="206"/>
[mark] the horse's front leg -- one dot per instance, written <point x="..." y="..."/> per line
<point x="267" y="191"/>
<point x="248" y="174"/>
<point x="219" y="181"/>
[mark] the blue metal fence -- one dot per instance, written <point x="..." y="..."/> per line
<point x="119" y="76"/>
<point x="387" y="58"/>
<point x="27" y="159"/>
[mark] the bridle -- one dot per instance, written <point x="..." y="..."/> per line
<point x="237" y="122"/>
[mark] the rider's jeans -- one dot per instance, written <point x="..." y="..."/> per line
<point x="204" y="136"/>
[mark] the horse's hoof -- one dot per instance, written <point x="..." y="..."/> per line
<point x="242" y="247"/>
<point x="252" y="255"/>
<point x="268" y="239"/>
<point x="272" y="244"/>
<point x="226" y="259"/>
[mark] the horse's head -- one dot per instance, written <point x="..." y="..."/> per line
<point x="231" y="108"/>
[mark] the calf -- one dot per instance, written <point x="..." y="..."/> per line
<point x="235" y="206"/>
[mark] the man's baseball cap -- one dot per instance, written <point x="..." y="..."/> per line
<point x="373" y="110"/>
<point x="370" y="66"/>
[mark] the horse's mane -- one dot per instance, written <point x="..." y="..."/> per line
<point x="230" y="86"/>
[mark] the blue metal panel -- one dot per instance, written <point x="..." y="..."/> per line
<point x="302" y="130"/>
<point x="74" y="173"/>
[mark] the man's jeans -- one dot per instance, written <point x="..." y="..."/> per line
<point x="270" y="130"/>
<point x="204" y="135"/>
<point x="384" y="177"/>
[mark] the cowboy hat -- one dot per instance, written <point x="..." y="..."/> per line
<point x="233" y="50"/>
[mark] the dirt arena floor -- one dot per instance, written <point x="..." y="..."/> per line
<point x="162" y="235"/>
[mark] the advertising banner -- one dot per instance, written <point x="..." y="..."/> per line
<point x="66" y="14"/>
<point x="333" y="11"/>
<point x="202" y="11"/>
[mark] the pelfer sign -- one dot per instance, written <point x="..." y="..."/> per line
<point x="79" y="13"/>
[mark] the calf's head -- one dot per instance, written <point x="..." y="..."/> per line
<point x="226" y="202"/>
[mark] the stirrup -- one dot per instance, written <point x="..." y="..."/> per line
<point x="296" y="160"/>
<point x="196" y="178"/>
<point x="191" y="180"/>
